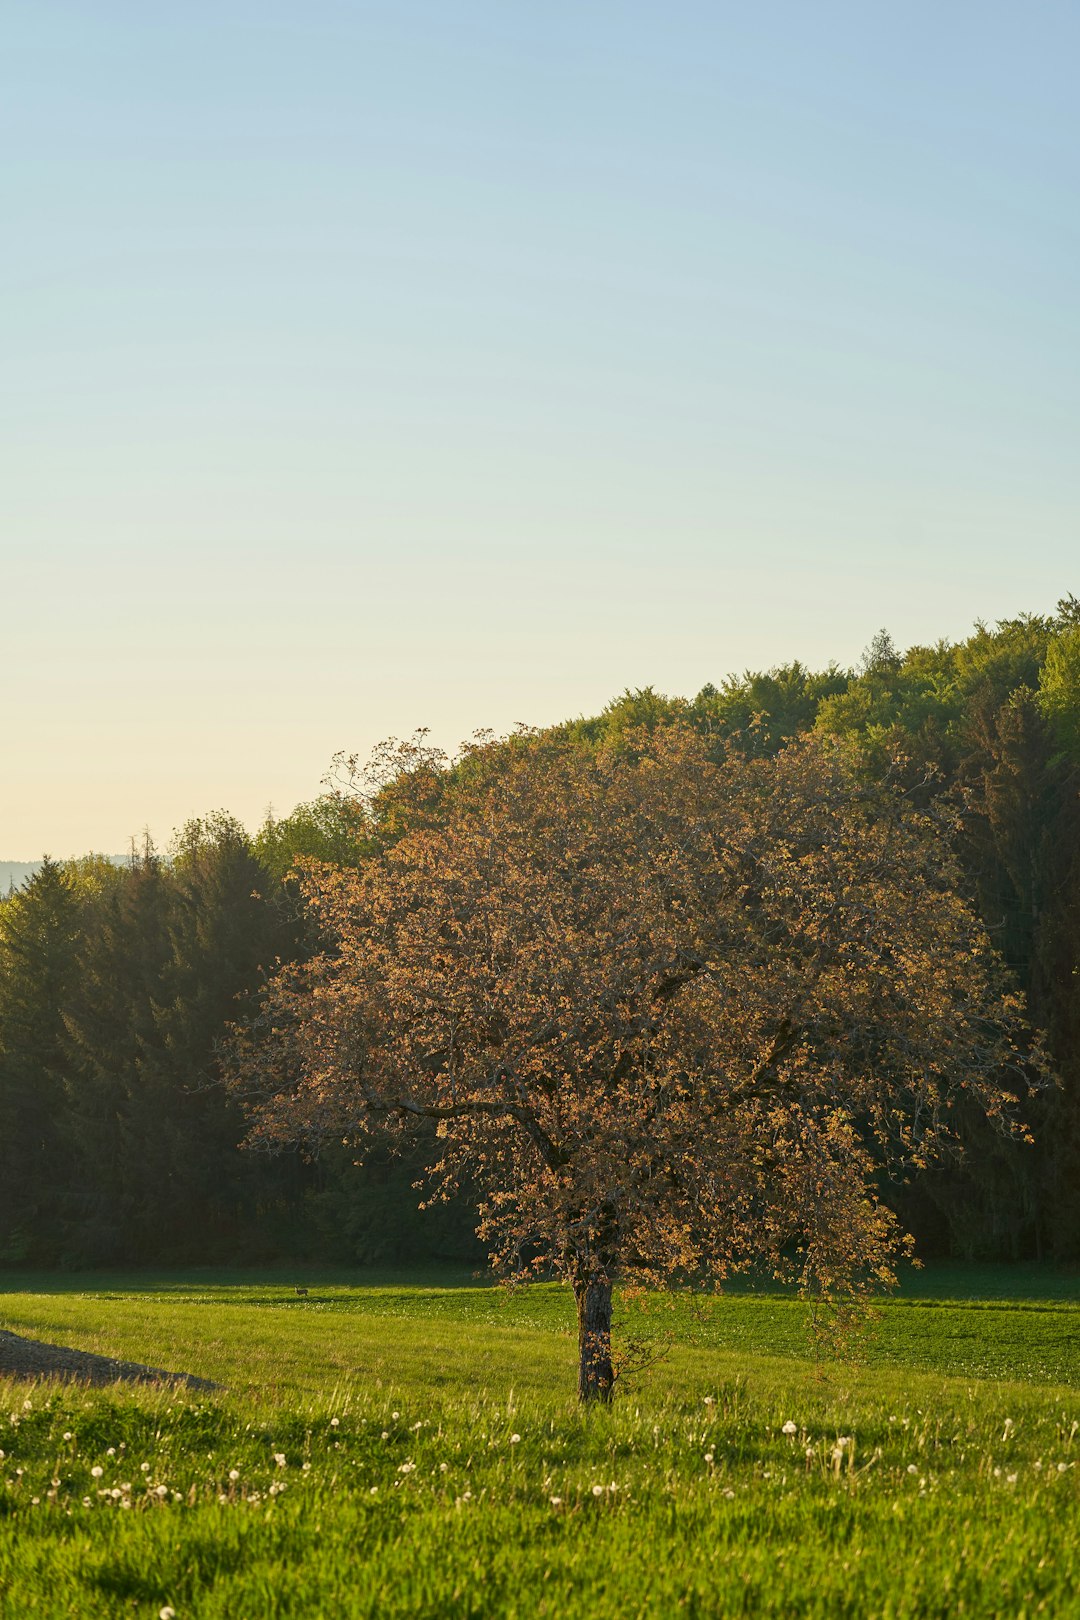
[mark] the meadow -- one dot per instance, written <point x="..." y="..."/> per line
<point x="410" y="1445"/>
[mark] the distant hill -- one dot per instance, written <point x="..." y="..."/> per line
<point x="13" y="874"/>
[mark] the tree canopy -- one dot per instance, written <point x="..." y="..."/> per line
<point x="673" y="1015"/>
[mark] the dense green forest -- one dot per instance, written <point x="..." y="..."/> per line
<point x="119" y="1143"/>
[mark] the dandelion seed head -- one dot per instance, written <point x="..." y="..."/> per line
<point x="789" y="1428"/>
<point x="97" y="1471"/>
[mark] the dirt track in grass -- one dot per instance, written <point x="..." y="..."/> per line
<point x="30" y="1358"/>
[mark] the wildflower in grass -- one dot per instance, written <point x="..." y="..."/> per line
<point x="305" y="1467"/>
<point x="86" y="1501"/>
<point x="395" y="1414"/>
<point x="709" y="1458"/>
<point x="161" y="1490"/>
<point x="279" y="1458"/>
<point x="334" y="1421"/>
<point x="1010" y="1479"/>
<point x="789" y="1428"/>
<point x="234" y="1474"/>
<point x="407" y="1468"/>
<point x="710" y="1400"/>
<point x="556" y="1501"/>
<point x="374" y="1491"/>
<point x="97" y="1471"/>
<point x="443" y="1467"/>
<point x="386" y="1434"/>
<point x="167" y="1613"/>
<point x="911" y="1468"/>
<point x="730" y="1495"/>
<point x="145" y="1467"/>
<point x="598" y="1490"/>
<point x="67" y="1436"/>
<point x="515" y="1439"/>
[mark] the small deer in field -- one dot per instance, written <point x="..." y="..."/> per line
<point x="301" y="1291"/>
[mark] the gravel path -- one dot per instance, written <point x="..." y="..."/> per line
<point x="29" y="1358"/>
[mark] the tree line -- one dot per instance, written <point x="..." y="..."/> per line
<point x="119" y="1144"/>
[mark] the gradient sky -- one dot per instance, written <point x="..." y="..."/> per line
<point x="368" y="366"/>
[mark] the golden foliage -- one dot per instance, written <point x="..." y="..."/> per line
<point x="671" y="1016"/>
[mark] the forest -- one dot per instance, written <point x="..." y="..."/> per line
<point x="121" y="985"/>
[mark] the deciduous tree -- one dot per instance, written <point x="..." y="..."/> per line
<point x="672" y="1016"/>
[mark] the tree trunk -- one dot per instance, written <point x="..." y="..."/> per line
<point x="596" y="1376"/>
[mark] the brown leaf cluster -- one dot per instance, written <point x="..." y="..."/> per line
<point x="671" y="1016"/>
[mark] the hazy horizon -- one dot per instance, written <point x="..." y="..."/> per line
<point x="373" y="368"/>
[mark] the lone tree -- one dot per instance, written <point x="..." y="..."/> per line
<point x="672" y="1017"/>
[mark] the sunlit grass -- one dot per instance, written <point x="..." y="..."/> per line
<point x="435" y="1462"/>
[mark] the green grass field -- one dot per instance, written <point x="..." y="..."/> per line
<point x="411" y="1446"/>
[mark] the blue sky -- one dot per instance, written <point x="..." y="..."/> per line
<point x="375" y="366"/>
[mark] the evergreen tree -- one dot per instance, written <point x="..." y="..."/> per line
<point x="116" y="1117"/>
<point x="38" y="934"/>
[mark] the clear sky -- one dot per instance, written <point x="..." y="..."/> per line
<point x="368" y="366"/>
